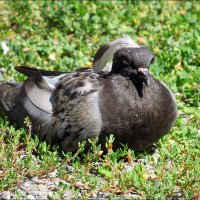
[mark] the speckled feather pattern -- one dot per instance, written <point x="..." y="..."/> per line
<point x="76" y="115"/>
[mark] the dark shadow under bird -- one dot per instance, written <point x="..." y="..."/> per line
<point x="67" y="108"/>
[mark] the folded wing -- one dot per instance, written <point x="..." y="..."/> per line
<point x="64" y="109"/>
<point x="76" y="116"/>
<point x="34" y="98"/>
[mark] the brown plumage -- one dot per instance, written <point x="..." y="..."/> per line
<point x="66" y="108"/>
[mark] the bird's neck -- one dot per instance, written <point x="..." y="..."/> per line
<point x="130" y="74"/>
<point x="124" y="71"/>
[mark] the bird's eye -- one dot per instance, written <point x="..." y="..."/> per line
<point x="125" y="62"/>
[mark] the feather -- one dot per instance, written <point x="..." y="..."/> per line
<point x="29" y="71"/>
<point x="39" y="94"/>
<point x="39" y="90"/>
<point x="106" y="52"/>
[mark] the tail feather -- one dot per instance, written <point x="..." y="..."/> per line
<point x="29" y="71"/>
<point x="15" y="103"/>
<point x="8" y="94"/>
<point x="9" y="102"/>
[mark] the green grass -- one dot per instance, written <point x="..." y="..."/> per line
<point x="64" y="36"/>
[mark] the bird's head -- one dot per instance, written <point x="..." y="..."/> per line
<point x="133" y="63"/>
<point x="129" y="59"/>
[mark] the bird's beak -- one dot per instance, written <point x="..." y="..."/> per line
<point x="144" y="73"/>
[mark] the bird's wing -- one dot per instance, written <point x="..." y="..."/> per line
<point x="106" y="52"/>
<point x="63" y="109"/>
<point x="30" y="71"/>
<point x="76" y="115"/>
<point x="34" y="98"/>
<point x="39" y="90"/>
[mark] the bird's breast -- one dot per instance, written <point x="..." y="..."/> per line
<point x="128" y="115"/>
<point x="121" y="104"/>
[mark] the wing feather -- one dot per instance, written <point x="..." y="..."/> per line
<point x="77" y="114"/>
<point x="106" y="52"/>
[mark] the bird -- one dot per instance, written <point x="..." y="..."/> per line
<point x="123" y="99"/>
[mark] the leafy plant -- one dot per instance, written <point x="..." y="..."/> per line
<point x="64" y="35"/>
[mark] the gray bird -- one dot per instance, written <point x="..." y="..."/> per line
<point x="124" y="100"/>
